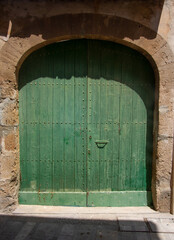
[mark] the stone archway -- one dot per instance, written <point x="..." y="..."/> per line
<point x="93" y="26"/>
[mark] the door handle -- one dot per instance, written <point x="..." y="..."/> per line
<point x="101" y="143"/>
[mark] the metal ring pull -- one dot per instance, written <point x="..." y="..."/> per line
<point x="101" y="143"/>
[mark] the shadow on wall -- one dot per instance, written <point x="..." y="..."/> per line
<point x="26" y="21"/>
<point x="62" y="228"/>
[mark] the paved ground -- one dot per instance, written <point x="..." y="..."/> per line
<point x="66" y="223"/>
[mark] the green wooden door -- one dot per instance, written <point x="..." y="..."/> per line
<point x="120" y="125"/>
<point x="86" y="119"/>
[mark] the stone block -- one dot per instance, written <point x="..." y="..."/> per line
<point x="9" y="166"/>
<point x="8" y="92"/>
<point x="10" y="142"/>
<point x="10" y="114"/>
<point x="164" y="201"/>
<point x="8" y="194"/>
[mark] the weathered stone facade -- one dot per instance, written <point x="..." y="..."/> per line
<point x="147" y="26"/>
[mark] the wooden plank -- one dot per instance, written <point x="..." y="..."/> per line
<point x="53" y="199"/>
<point x="119" y="198"/>
<point x="125" y="137"/>
<point x="32" y="149"/>
<point x="149" y="86"/>
<point x="45" y="129"/>
<point x="104" y="153"/>
<point x="93" y="174"/>
<point x="58" y="119"/>
<point x="33" y="126"/>
<point x="126" y="106"/>
<point x="139" y="120"/>
<point x="69" y="154"/>
<point x="116" y="119"/>
<point x="80" y="114"/>
<point x="23" y="128"/>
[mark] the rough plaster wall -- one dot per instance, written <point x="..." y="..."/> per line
<point x="166" y="24"/>
<point x="156" y="15"/>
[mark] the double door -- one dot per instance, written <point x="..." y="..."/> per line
<point x="86" y="125"/>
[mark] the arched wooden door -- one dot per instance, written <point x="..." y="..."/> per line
<point x="86" y="121"/>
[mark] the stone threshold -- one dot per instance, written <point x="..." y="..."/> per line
<point x="89" y="212"/>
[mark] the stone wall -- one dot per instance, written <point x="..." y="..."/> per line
<point x="146" y="26"/>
